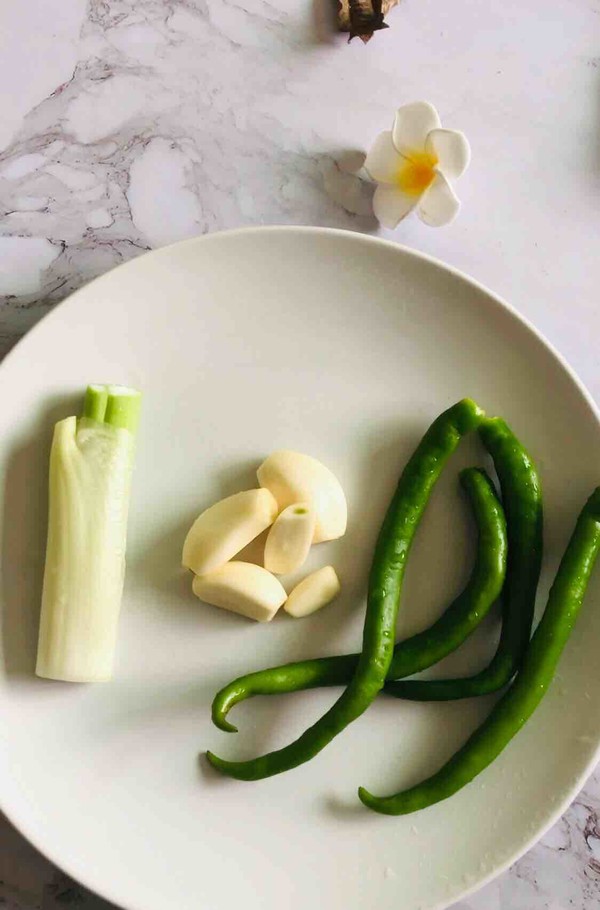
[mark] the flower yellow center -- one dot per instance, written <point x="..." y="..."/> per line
<point x="416" y="173"/>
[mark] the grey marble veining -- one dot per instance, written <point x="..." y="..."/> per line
<point x="129" y="124"/>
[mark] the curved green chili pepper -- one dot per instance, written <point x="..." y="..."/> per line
<point x="522" y="500"/>
<point x="417" y="652"/>
<point x="385" y="583"/>
<point x="536" y="673"/>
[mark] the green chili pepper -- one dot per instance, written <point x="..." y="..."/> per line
<point x="536" y="673"/>
<point x="385" y="583"/>
<point x="417" y="652"/>
<point x="522" y="500"/>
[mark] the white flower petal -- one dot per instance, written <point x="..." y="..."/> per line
<point x="412" y="125"/>
<point x="452" y="151"/>
<point x="438" y="204"/>
<point x="383" y="161"/>
<point x="391" y="205"/>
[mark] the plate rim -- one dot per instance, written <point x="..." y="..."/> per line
<point x="106" y="892"/>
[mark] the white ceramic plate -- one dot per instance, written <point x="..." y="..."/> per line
<point x="344" y="347"/>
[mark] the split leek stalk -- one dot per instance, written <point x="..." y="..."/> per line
<point x="91" y="464"/>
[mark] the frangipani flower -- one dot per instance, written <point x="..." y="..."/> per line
<point x="413" y="165"/>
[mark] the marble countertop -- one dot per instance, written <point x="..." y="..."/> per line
<point x="128" y="124"/>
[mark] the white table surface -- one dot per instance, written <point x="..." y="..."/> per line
<point x="128" y="124"/>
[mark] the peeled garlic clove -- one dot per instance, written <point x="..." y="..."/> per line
<point x="292" y="477"/>
<point x="313" y="592"/>
<point x="226" y="528"/>
<point x="290" y="538"/>
<point x="243" y="588"/>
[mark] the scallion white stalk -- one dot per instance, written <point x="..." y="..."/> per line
<point x="91" y="464"/>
